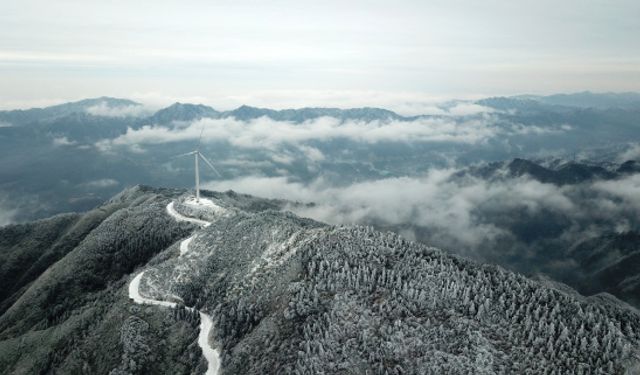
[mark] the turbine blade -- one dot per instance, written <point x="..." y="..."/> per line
<point x="200" y="138"/>
<point x="209" y="164"/>
<point x="185" y="154"/>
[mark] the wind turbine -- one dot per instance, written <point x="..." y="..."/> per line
<point x="197" y="154"/>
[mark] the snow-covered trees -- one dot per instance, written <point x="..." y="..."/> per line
<point x="354" y="300"/>
<point x="64" y="317"/>
<point x="290" y="295"/>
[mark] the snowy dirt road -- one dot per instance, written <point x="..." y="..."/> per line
<point x="211" y="354"/>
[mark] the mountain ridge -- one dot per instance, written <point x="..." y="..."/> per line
<point x="295" y="295"/>
<point x="188" y="111"/>
<point x="136" y="115"/>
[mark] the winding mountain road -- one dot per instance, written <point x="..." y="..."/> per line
<point x="206" y="323"/>
<point x="179" y="217"/>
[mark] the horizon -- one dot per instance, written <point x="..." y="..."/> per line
<point x="151" y="106"/>
<point x="287" y="54"/>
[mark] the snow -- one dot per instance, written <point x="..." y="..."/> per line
<point x="172" y="211"/>
<point x="212" y="355"/>
<point x="278" y="253"/>
<point x="184" y="245"/>
<point x="134" y="293"/>
<point x="204" y="203"/>
<point x="206" y="323"/>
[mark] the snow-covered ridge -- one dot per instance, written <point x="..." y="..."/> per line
<point x="325" y="286"/>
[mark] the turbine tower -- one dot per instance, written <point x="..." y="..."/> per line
<point x="197" y="154"/>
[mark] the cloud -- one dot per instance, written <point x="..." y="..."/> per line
<point x="7" y="214"/>
<point x="270" y="134"/>
<point x="468" y="109"/>
<point x="282" y="158"/>
<point x="626" y="190"/>
<point x="520" y="129"/>
<point x="444" y="47"/>
<point x="245" y="163"/>
<point x="631" y="153"/>
<point x="271" y="187"/>
<point x="476" y="217"/>
<point x="101" y="183"/>
<point x="312" y="154"/>
<point x="62" y="141"/>
<point x="103" y="109"/>
<point x="435" y="200"/>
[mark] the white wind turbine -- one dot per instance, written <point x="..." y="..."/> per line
<point x="197" y="154"/>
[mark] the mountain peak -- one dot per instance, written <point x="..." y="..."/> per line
<point x="111" y="101"/>
<point x="629" y="166"/>
<point x="521" y="167"/>
<point x="183" y="112"/>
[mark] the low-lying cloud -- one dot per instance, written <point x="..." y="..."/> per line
<point x="267" y="133"/>
<point x="468" y="109"/>
<point x="271" y="134"/>
<point x="62" y="141"/>
<point x="100" y="183"/>
<point x="434" y="200"/>
<point x="465" y="214"/>
<point x="631" y="153"/>
<point x="7" y="214"/>
<point x="626" y="191"/>
<point x="105" y="110"/>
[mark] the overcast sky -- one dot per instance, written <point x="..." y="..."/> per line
<point x="291" y="53"/>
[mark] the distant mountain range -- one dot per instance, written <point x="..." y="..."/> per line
<point x="583" y="100"/>
<point x="26" y="116"/>
<point x="190" y="112"/>
<point x="587" y="99"/>
<point x="558" y="172"/>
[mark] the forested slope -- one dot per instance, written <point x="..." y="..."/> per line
<point x="292" y="295"/>
<point x="74" y="318"/>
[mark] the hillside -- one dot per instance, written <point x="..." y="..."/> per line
<point x="62" y="321"/>
<point x="611" y="263"/>
<point x="288" y="295"/>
